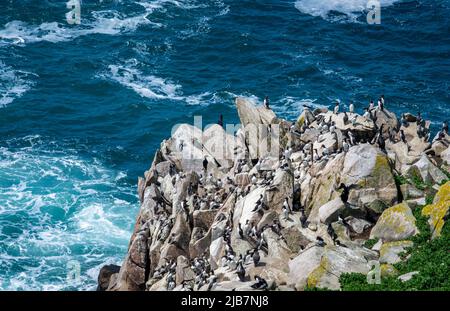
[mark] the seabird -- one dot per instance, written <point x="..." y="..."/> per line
<point x="303" y="219"/>
<point x="380" y="104"/>
<point x="260" y="283"/>
<point x="212" y="280"/>
<point x="336" y="108"/>
<point x="351" y="108"/>
<point x="240" y="271"/>
<point x="266" y="102"/>
<point x="371" y="105"/>
<point x="241" y="232"/>
<point x="345" y="118"/>
<point x="320" y="242"/>
<point x="256" y="257"/>
<point x="366" y="113"/>
<point x="331" y="232"/>
<point x="345" y="145"/>
<point x="346" y="191"/>
<point x="402" y="136"/>
<point x="205" y="164"/>
<point x="445" y="127"/>
<point x="220" y="122"/>
<point x="285" y="213"/>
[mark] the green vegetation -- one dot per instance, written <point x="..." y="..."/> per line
<point x="370" y="243"/>
<point x="400" y="180"/>
<point x="430" y="257"/>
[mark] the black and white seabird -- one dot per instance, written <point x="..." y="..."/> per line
<point x="402" y="136"/>
<point x="445" y="127"/>
<point x="266" y="102"/>
<point x="260" y="283"/>
<point x="241" y="232"/>
<point x="256" y="257"/>
<point x="336" y="108"/>
<point x="320" y="242"/>
<point x="205" y="164"/>
<point x="240" y="271"/>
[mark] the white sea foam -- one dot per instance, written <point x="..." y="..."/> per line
<point x="77" y="212"/>
<point x="13" y="84"/>
<point x="150" y="86"/>
<point x="100" y="22"/>
<point x="322" y="8"/>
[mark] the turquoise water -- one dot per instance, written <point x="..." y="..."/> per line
<point x="84" y="107"/>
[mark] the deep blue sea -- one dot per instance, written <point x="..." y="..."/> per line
<point x="84" y="107"/>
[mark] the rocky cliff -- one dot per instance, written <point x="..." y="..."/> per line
<point x="283" y="206"/>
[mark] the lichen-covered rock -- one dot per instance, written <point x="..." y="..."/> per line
<point x="426" y="171"/>
<point x="368" y="170"/>
<point x="301" y="266"/>
<point x="390" y="251"/>
<point x="395" y="224"/>
<point x="329" y="212"/>
<point x="388" y="270"/>
<point x="334" y="262"/>
<point x="438" y="210"/>
<point x="104" y="276"/>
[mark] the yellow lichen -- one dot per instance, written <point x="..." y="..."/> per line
<point x="388" y="245"/>
<point x="315" y="276"/>
<point x="301" y="120"/>
<point x="438" y="209"/>
<point x="392" y="217"/>
<point x="388" y="270"/>
<point x="381" y="170"/>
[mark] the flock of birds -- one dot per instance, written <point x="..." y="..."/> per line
<point x="210" y="193"/>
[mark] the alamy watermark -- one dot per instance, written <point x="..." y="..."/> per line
<point x="73" y="272"/>
<point x="374" y="14"/>
<point x="374" y="275"/>
<point x="254" y="141"/>
<point x="74" y="15"/>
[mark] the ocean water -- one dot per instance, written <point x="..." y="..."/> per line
<point x="84" y="107"/>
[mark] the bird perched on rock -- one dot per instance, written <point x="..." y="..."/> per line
<point x="402" y="136"/>
<point x="331" y="232"/>
<point x="336" y="108"/>
<point x="256" y="257"/>
<point x="303" y="219"/>
<point x="345" y="118"/>
<point x="285" y="212"/>
<point x="266" y="102"/>
<point x="320" y="242"/>
<point x="445" y="127"/>
<point x="241" y="232"/>
<point x="240" y="271"/>
<point x="351" y="108"/>
<point x="260" y="283"/>
<point x="346" y="191"/>
<point x="212" y="280"/>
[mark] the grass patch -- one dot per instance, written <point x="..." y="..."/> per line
<point x="370" y="243"/>
<point x="430" y="257"/>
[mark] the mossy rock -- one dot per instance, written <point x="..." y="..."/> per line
<point x="438" y="210"/>
<point x="395" y="224"/>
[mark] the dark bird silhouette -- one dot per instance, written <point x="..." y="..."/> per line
<point x="331" y="232"/>
<point x="260" y="283"/>
<point x="240" y="271"/>
<point x="256" y="257"/>
<point x="402" y="136"/>
<point x="205" y="164"/>
<point x="320" y="242"/>
<point x="346" y="192"/>
<point x="241" y="232"/>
